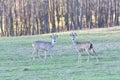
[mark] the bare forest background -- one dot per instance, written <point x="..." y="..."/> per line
<point x="32" y="17"/>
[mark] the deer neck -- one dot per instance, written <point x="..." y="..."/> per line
<point x="52" y="44"/>
<point x="74" y="42"/>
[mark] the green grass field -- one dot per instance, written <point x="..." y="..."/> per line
<point x="16" y="58"/>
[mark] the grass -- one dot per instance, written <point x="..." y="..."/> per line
<point x="16" y="62"/>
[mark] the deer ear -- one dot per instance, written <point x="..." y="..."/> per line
<point x="56" y="35"/>
<point x="73" y="33"/>
<point x="52" y="35"/>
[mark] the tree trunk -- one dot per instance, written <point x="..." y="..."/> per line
<point x="11" y="23"/>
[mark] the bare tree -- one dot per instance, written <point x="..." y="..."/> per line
<point x="29" y="17"/>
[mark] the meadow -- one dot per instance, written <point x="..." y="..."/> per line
<point x="16" y="58"/>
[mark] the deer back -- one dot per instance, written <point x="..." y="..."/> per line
<point x="42" y="45"/>
<point x="83" y="45"/>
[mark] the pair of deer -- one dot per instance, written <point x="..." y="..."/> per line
<point x="79" y="46"/>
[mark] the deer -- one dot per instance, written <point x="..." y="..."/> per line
<point x="82" y="46"/>
<point x="45" y="46"/>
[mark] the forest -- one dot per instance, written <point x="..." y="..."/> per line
<point x="33" y="17"/>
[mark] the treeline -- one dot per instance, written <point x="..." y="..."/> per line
<point x="30" y="17"/>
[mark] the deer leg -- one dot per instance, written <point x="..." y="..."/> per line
<point x="88" y="53"/>
<point x="35" y="51"/>
<point x="73" y="49"/>
<point x="79" y="56"/>
<point x="33" y="57"/>
<point x="45" y="54"/>
<point x="38" y="53"/>
<point x="50" y="54"/>
<point x="95" y="54"/>
<point x="38" y="56"/>
<point x="49" y="51"/>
